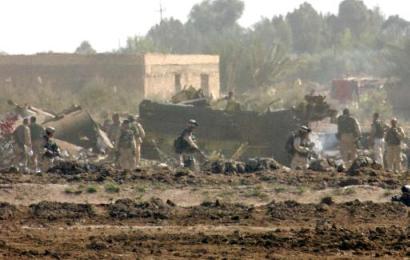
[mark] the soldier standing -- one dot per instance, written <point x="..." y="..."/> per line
<point x="348" y="133"/>
<point x="126" y="147"/>
<point x="139" y="133"/>
<point x="23" y="148"/>
<point x="377" y="138"/>
<point x="301" y="149"/>
<point x="394" y="137"/>
<point x="37" y="133"/>
<point x="115" y="128"/>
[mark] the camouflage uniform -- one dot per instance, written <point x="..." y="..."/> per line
<point x="23" y="148"/>
<point x="301" y="146"/>
<point x="139" y="134"/>
<point x="394" y="137"/>
<point x="377" y="135"/>
<point x="126" y="148"/>
<point x="37" y="133"/>
<point x="348" y="134"/>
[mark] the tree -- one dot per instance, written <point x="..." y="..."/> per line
<point x="138" y="44"/>
<point x="306" y="26"/>
<point x="394" y="30"/>
<point x="85" y="48"/>
<point x="215" y="15"/>
<point x="169" y="36"/>
<point x="353" y="15"/>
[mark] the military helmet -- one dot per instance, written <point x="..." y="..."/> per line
<point x="305" y="129"/>
<point x="50" y="130"/>
<point x="193" y="122"/>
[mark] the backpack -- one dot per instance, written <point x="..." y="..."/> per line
<point x="379" y="129"/>
<point x="289" y="147"/>
<point x="393" y="137"/>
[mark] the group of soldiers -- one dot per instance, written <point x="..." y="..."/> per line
<point x="35" y="148"/>
<point x="127" y="137"/>
<point x="385" y="141"/>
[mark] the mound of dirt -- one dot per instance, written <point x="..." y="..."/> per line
<point x="7" y="211"/>
<point x="353" y="211"/>
<point x="221" y="212"/>
<point x="56" y="211"/>
<point x="154" y="209"/>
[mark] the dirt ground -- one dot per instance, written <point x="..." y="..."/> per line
<point x="164" y="214"/>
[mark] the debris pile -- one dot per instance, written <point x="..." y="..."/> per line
<point x="249" y="166"/>
<point x="55" y="211"/>
<point x="154" y="209"/>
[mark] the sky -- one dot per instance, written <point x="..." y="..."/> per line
<point x="32" y="26"/>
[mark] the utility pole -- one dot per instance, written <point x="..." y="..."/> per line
<point x="161" y="12"/>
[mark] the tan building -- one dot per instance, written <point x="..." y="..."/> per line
<point x="152" y="76"/>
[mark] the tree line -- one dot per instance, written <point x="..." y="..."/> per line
<point x="303" y="44"/>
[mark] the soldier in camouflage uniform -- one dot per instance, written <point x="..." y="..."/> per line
<point x="125" y="147"/>
<point x="139" y="134"/>
<point x="348" y="133"/>
<point x="23" y="148"/>
<point x="37" y="140"/>
<point x="50" y="149"/>
<point x="394" y="138"/>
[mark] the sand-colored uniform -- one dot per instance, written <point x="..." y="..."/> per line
<point x="300" y="159"/>
<point x="377" y="136"/>
<point x="37" y="133"/>
<point x="23" y="147"/>
<point x="139" y="134"/>
<point x="394" y="137"/>
<point x="348" y="133"/>
<point x="126" y="149"/>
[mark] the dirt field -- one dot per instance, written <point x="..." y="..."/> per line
<point x="162" y="214"/>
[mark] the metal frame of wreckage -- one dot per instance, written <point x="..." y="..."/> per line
<point x="265" y="134"/>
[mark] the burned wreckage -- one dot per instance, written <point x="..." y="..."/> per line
<point x="238" y="135"/>
<point x="78" y="135"/>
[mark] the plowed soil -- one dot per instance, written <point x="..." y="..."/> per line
<point x="225" y="228"/>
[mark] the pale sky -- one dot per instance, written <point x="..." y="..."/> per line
<point x="31" y="26"/>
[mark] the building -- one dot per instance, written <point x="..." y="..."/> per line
<point x="149" y="76"/>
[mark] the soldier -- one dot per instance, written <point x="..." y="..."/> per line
<point x="394" y="137"/>
<point x="50" y="148"/>
<point x="115" y="128"/>
<point x="23" y="148"/>
<point x="377" y="138"/>
<point x="231" y="104"/>
<point x="185" y="145"/>
<point x="301" y="149"/>
<point x="37" y="134"/>
<point x="139" y="133"/>
<point x="125" y="147"/>
<point x="348" y="133"/>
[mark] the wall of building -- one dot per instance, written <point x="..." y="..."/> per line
<point x="72" y="72"/>
<point x="161" y="72"/>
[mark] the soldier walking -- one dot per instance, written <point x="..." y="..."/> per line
<point x="394" y="137"/>
<point x="348" y="133"/>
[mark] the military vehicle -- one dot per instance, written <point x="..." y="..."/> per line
<point x="263" y="134"/>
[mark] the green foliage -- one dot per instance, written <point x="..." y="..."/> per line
<point x="91" y="189"/>
<point x="112" y="188"/>
<point x="85" y="48"/>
